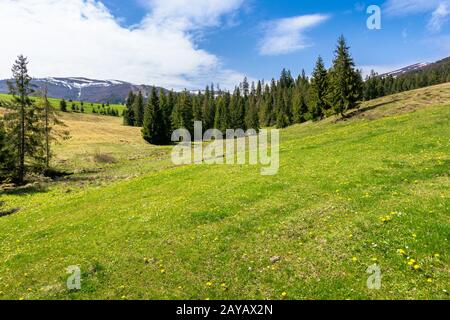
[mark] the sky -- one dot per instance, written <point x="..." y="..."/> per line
<point x="191" y="43"/>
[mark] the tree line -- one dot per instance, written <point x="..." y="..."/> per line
<point x="377" y="86"/>
<point x="102" y="109"/>
<point x="278" y="103"/>
<point x="26" y="129"/>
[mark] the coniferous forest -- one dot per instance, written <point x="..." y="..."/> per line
<point x="280" y="103"/>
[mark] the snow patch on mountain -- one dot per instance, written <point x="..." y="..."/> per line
<point x="399" y="72"/>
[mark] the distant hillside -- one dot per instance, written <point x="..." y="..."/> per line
<point x="405" y="70"/>
<point x="83" y="89"/>
<point x="409" y="78"/>
<point x="418" y="67"/>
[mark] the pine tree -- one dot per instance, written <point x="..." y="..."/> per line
<point x="128" y="114"/>
<point x="138" y="109"/>
<point x="282" y="115"/>
<point x="208" y="110"/>
<point x="153" y="130"/>
<point x="171" y="101"/>
<point x="182" y="116"/>
<point x="299" y="106"/>
<point x="222" y="119"/>
<point x="265" y="109"/>
<point x="165" y="108"/>
<point x="48" y="117"/>
<point x="237" y="110"/>
<point x="7" y="164"/>
<point x="245" y="88"/>
<point x="63" y="105"/>
<point x="19" y="122"/>
<point x="345" y="82"/>
<point x="251" y="116"/>
<point x="319" y="90"/>
<point x="197" y="106"/>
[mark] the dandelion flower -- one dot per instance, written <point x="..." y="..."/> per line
<point x="416" y="267"/>
<point x="209" y="284"/>
<point x="284" y="295"/>
<point x="436" y="255"/>
<point x="354" y="259"/>
<point x="429" y="280"/>
<point x="163" y="270"/>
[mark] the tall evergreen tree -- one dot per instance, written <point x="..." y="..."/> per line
<point x="251" y="116"/>
<point x="153" y="130"/>
<point x="48" y="117"/>
<point x="208" y="110"/>
<point x="128" y="115"/>
<point x="20" y="122"/>
<point x="182" y="116"/>
<point x="319" y="90"/>
<point x="6" y="154"/>
<point x="138" y="109"/>
<point x="63" y="105"/>
<point x="345" y="82"/>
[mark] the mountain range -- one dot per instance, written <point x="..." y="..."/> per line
<point x="115" y="91"/>
<point x="83" y="89"/>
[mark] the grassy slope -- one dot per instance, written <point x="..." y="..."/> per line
<point x="141" y="228"/>
<point x="88" y="107"/>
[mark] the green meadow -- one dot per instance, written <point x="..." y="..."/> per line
<point x="370" y="189"/>
<point x="88" y="106"/>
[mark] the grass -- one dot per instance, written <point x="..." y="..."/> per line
<point x="88" y="106"/>
<point x="371" y="189"/>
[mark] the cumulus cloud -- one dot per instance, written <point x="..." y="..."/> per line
<point x="82" y="38"/>
<point x="286" y="35"/>
<point x="439" y="9"/>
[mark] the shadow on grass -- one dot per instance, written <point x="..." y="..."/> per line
<point x="7" y="212"/>
<point x="358" y="112"/>
<point x="27" y="189"/>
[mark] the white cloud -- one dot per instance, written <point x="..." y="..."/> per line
<point x="440" y="10"/>
<point x="286" y="35"/>
<point x="405" y="7"/>
<point x="439" y="17"/>
<point x="82" y="38"/>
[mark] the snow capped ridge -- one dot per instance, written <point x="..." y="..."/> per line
<point x="407" y="69"/>
<point x="79" y="82"/>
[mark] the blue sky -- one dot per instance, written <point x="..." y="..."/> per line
<point x="180" y="43"/>
<point x="403" y="39"/>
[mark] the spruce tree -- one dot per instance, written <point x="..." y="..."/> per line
<point x="7" y="164"/>
<point x="23" y="132"/>
<point x="345" y="82"/>
<point x="153" y="123"/>
<point x="48" y="118"/>
<point x="319" y="90"/>
<point x="138" y="109"/>
<point x="165" y="114"/>
<point x="208" y="110"/>
<point x="222" y="114"/>
<point x="182" y="116"/>
<point x="63" y="105"/>
<point x="128" y="114"/>
<point x="251" y="116"/>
